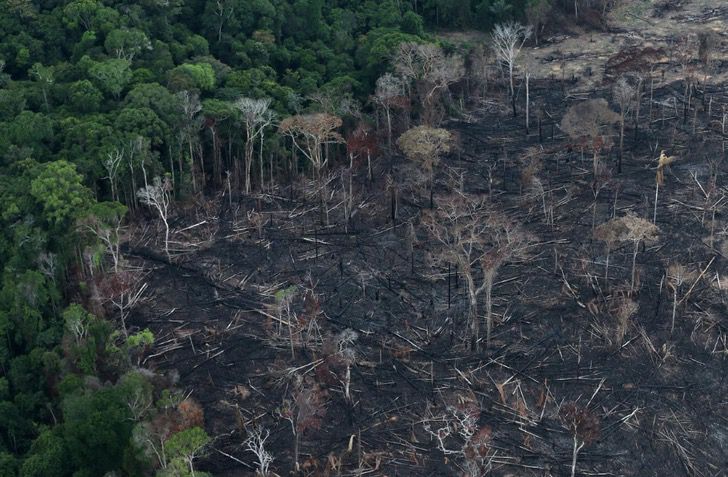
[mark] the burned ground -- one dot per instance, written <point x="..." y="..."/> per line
<point x="364" y="285"/>
<point x="658" y="396"/>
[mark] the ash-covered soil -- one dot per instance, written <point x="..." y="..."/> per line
<point x="264" y="307"/>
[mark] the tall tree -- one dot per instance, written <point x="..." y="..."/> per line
<point x="257" y="115"/>
<point x="507" y="41"/>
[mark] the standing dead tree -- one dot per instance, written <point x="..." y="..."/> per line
<point x="310" y="133"/>
<point x="478" y="239"/>
<point x="111" y="164"/>
<point x="389" y="94"/>
<point x="123" y="290"/>
<point x="255" y="443"/>
<point x="190" y="106"/>
<point x="362" y="142"/>
<point x="662" y="162"/>
<point x="424" y="146"/>
<point x="104" y="222"/>
<point x="459" y="422"/>
<point x="508" y="39"/>
<point x="677" y="276"/>
<point x="588" y="123"/>
<point x="583" y="425"/>
<point x="305" y="411"/>
<point x="431" y="71"/>
<point x="157" y="196"/>
<point x="256" y="117"/>
<point x="623" y="94"/>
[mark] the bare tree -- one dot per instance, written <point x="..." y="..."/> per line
<point x="191" y="124"/>
<point x="256" y="116"/>
<point x="528" y="68"/>
<point x="255" y="443"/>
<point x="583" y="425"/>
<point x="456" y="432"/>
<point x="478" y="239"/>
<point x="310" y="133"/>
<point x="508" y="39"/>
<point x="677" y="276"/>
<point x="111" y="164"/>
<point x="623" y="94"/>
<point x="157" y="196"/>
<point x="480" y="68"/>
<point x="431" y="70"/>
<point x="305" y="411"/>
<point x="425" y="145"/>
<point x="124" y="290"/>
<point x="588" y="123"/>
<point x="389" y="93"/>
<point x="104" y="222"/>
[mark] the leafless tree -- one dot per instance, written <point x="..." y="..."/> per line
<point x="478" y="239"/>
<point x="255" y="443"/>
<point x="677" y="276"/>
<point x="310" y="133"/>
<point x="157" y="196"/>
<point x="430" y="69"/>
<point x="305" y="411"/>
<point x="389" y="93"/>
<point x="257" y="116"/>
<point x="507" y="41"/>
<point x="191" y="124"/>
<point x="124" y="290"/>
<point x="456" y="432"/>
<point x="111" y="164"/>
<point x="224" y="10"/>
<point x="528" y="68"/>
<point x="623" y="94"/>
<point x="480" y="68"/>
<point x="623" y="309"/>
<point x="583" y="425"/>
<point x="106" y="227"/>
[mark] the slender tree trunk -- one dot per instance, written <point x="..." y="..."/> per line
<point x="674" y="308"/>
<point x="621" y="143"/>
<point x="489" y="278"/>
<point x="528" y="77"/>
<point x="389" y="127"/>
<point x="575" y="453"/>
<point x="634" y="263"/>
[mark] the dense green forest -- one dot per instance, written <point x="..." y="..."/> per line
<point x="97" y="97"/>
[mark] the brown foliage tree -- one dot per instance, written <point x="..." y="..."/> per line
<point x="425" y="145"/>
<point x="588" y="123"/>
